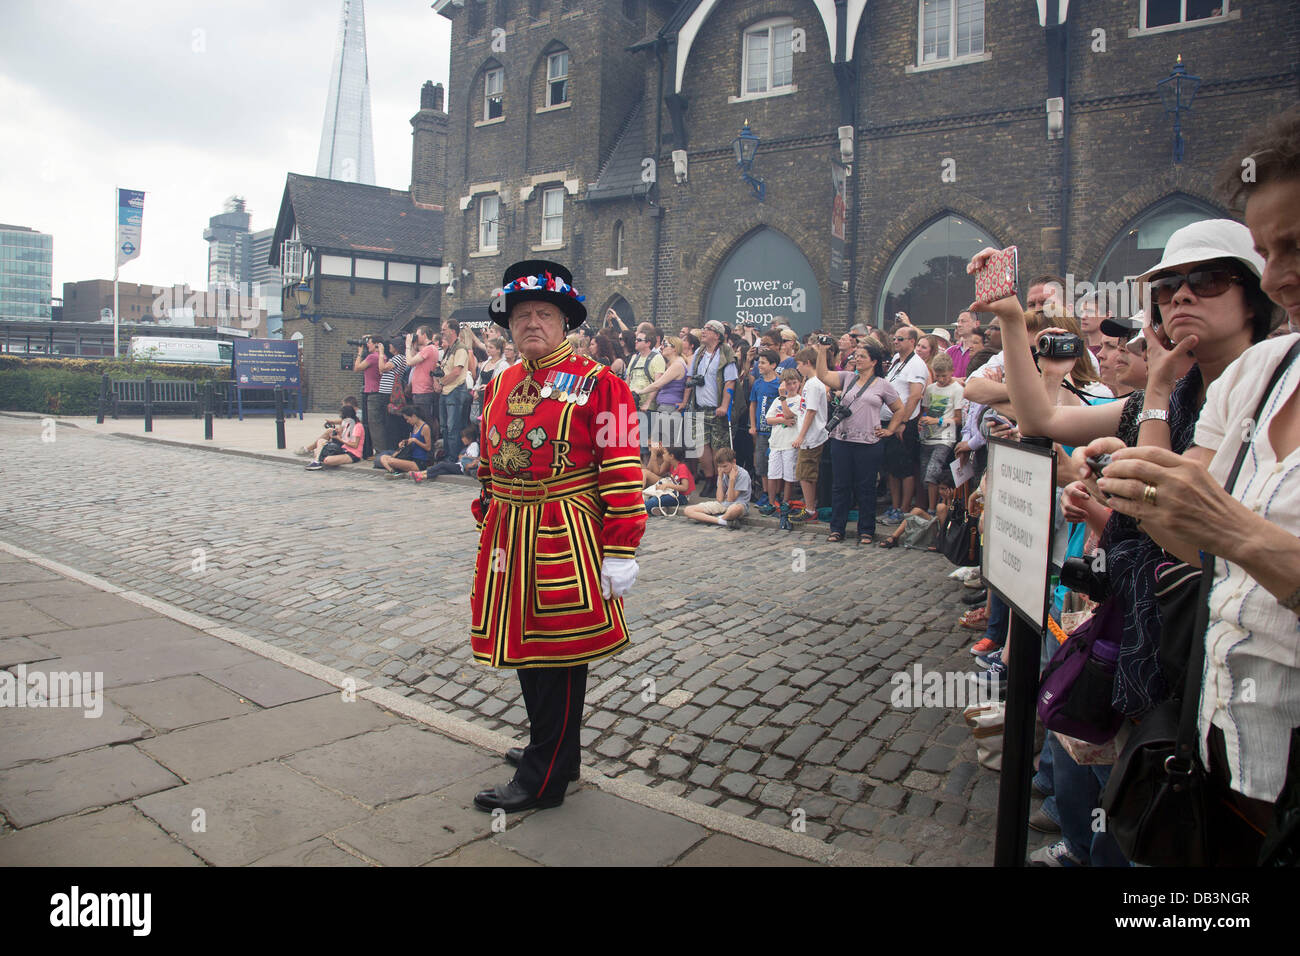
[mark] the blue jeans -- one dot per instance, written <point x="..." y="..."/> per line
<point x="1078" y="794"/>
<point x="999" y="618"/>
<point x="854" y="469"/>
<point x="451" y="411"/>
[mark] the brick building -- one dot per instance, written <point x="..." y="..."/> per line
<point x="370" y="257"/>
<point x="603" y="135"/>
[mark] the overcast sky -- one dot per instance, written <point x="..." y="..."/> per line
<point x="191" y="101"/>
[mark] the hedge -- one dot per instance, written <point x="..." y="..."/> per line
<point x="71" y="386"/>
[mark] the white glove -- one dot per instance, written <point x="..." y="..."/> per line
<point x="617" y="575"/>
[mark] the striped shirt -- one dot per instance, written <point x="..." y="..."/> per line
<point x="1251" y="687"/>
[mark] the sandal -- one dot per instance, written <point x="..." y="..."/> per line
<point x="887" y="543"/>
<point x="835" y="537"/>
<point x="865" y="539"/>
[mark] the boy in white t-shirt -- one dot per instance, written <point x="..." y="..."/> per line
<point x="784" y="415"/>
<point x="812" y="434"/>
<point x="940" y="425"/>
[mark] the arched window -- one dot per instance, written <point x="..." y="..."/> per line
<point x="928" y="279"/>
<point x="1139" y="245"/>
<point x="616" y="247"/>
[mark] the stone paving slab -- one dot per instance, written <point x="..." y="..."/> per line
<point x="90" y="610"/>
<point x="418" y="829"/>
<point x="249" y="813"/>
<point x="61" y="588"/>
<point x="318" y="852"/>
<point x="43" y="791"/>
<point x="267" y="683"/>
<point x="222" y="746"/>
<point x="723" y="850"/>
<point x="39" y="733"/>
<point x="154" y="633"/>
<point x="20" y="619"/>
<point x="20" y="650"/>
<point x="386" y="765"/>
<point x="483" y="853"/>
<point x="596" y="829"/>
<point x="177" y="702"/>
<point x="137" y="665"/>
<point x="117" y="836"/>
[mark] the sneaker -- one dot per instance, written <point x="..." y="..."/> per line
<point x="417" y="476"/>
<point x="991" y="661"/>
<point x="983" y="646"/>
<point x="396" y="474"/>
<point x="1040" y="821"/>
<point x="314" y="466"/>
<point x="976" y="620"/>
<point x="304" y="451"/>
<point x="991" y="684"/>
<point x="1058" y="854"/>
<point x="975" y="584"/>
<point x="798" y="514"/>
<point x="767" y="510"/>
<point x="762" y="501"/>
<point x="974" y="598"/>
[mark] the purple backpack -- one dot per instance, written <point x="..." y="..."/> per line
<point x="1074" y="696"/>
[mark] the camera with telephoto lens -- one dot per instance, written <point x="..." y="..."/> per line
<point x="1077" y="574"/>
<point x="694" y="381"/>
<point x="838" y="415"/>
<point x="825" y="340"/>
<point x="359" y="343"/>
<point x="1059" y="345"/>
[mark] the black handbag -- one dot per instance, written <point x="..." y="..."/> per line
<point x="1156" y="798"/>
<point x="1282" y="842"/>
<point x="959" y="537"/>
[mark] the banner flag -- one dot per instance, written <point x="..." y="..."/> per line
<point x="130" y="211"/>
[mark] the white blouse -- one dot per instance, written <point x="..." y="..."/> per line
<point x="1251" y="687"/>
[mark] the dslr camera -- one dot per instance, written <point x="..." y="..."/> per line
<point x="825" y="340"/>
<point x="694" y="381"/>
<point x="358" y="343"/>
<point x="839" y="414"/>
<point x="1077" y="575"/>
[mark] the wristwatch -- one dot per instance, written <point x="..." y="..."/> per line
<point x="1157" y="414"/>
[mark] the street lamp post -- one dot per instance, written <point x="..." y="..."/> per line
<point x="1177" y="90"/>
<point x="302" y="295"/>
<point x="745" y="146"/>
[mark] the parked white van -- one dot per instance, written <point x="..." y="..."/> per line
<point x="181" y="351"/>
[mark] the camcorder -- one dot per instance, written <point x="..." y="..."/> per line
<point x="1059" y="345"/>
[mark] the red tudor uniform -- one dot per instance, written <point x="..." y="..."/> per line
<point x="561" y="475"/>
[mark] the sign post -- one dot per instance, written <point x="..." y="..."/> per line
<point x="1016" y="559"/>
<point x="266" y="364"/>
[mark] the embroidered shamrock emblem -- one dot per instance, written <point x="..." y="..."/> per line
<point x="536" y="437"/>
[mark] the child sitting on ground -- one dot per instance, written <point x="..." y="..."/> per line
<point x="732" y="502"/>
<point x="676" y="485"/>
<point x="466" y="464"/>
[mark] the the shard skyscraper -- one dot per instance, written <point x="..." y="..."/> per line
<point x="347" y="148"/>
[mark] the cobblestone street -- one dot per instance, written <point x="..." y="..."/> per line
<point x="759" y="677"/>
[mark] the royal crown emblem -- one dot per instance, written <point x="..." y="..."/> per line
<point x="524" y="397"/>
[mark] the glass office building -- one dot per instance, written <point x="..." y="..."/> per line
<point x="347" y="145"/>
<point x="26" y="274"/>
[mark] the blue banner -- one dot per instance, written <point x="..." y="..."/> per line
<point x="130" y="213"/>
<point x="266" y="363"/>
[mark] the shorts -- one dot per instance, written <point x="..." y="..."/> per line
<point x="780" y="463"/>
<point x="716" y="507"/>
<point x="902" y="452"/>
<point x="717" y="431"/>
<point x="760" y="452"/>
<point x="670" y="500"/>
<point x="934" y="464"/>
<point x="810" y="462"/>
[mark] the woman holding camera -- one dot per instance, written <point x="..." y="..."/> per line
<point x="1206" y="298"/>
<point x="855" y="434"/>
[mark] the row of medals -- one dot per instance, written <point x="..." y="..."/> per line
<point x="567" y="387"/>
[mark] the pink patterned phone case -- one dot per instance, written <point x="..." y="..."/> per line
<point x="997" y="279"/>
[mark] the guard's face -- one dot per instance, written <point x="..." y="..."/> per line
<point x="537" y="328"/>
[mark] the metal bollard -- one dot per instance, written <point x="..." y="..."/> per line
<point x="148" y="405"/>
<point x="103" y="399"/>
<point x="207" y="411"/>
<point x="279" y="418"/>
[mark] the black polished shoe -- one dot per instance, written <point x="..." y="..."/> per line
<point x="516" y="754"/>
<point x="512" y="798"/>
<point x="975" y="597"/>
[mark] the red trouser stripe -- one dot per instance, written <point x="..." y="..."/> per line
<point x="568" y="681"/>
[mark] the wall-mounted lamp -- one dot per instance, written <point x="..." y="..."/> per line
<point x="745" y="146"/>
<point x="1177" y="90"/>
<point x="679" y="165"/>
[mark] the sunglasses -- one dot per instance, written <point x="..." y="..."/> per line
<point x="1204" y="283"/>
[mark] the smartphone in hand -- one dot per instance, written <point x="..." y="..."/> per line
<point x="1000" y="276"/>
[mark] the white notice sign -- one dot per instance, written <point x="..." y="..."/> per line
<point x="1018" y="525"/>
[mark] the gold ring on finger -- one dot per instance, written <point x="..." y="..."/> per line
<point x="1149" y="495"/>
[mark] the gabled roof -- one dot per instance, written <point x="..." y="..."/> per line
<point x="620" y="177"/>
<point x="353" y="217"/>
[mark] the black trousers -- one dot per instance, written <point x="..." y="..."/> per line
<point x="554" y="697"/>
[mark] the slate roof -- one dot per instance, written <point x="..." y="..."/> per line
<point x="620" y="177"/>
<point x="354" y="217"/>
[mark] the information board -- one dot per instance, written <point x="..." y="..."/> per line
<point x="266" y="363"/>
<point x="1018" y="507"/>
